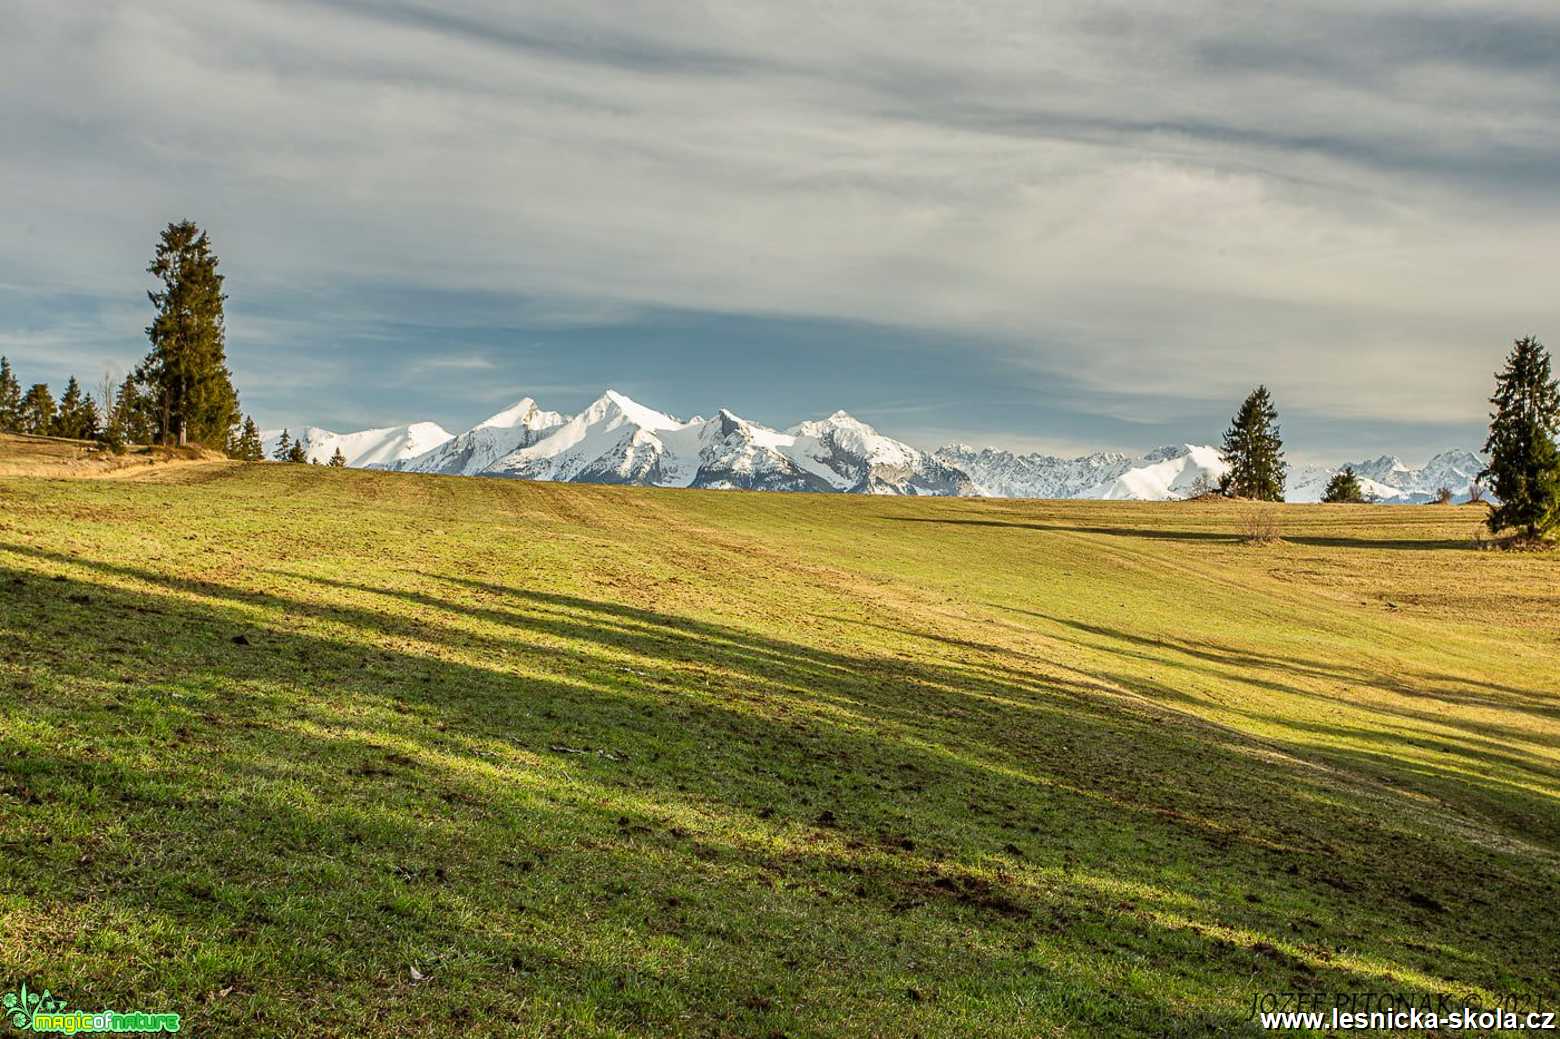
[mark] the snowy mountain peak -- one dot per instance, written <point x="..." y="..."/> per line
<point x="480" y="446"/>
<point x="1169" y="472"/>
<point x="523" y="412"/>
<point x="1389" y="479"/>
<point x="618" y="440"/>
<point x="1169" y="451"/>
<point x="840" y="420"/>
<point x="614" y="402"/>
<point x="729" y="423"/>
<point x="369" y="448"/>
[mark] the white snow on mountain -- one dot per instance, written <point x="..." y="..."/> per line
<point x="369" y="448"/>
<point x="855" y="457"/>
<point x="618" y="440"/>
<point x="1390" y="479"/>
<point x="477" y="449"/>
<point x="1164" y="475"/>
<point x="736" y="453"/>
<point x="615" y="440"/>
<point x="1003" y="474"/>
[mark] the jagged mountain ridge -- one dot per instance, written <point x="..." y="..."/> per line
<point x="618" y="440"/>
<point x="475" y="450"/>
<point x="1390" y="479"/>
<point x="369" y="448"/>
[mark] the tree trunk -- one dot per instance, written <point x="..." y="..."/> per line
<point x="182" y="439"/>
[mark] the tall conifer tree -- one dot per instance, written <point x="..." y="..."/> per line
<point x="70" y="420"/>
<point x="10" y="399"/>
<point x="131" y="412"/>
<point x="1524" y="469"/>
<point x="91" y="418"/>
<point x="186" y="371"/>
<point x="249" y="446"/>
<point x="37" y="414"/>
<point x="1254" y="452"/>
<point x="1344" y="487"/>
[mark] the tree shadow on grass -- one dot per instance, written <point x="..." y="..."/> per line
<point x="626" y="771"/>
<point x="1455" y="690"/>
<point x="1205" y="536"/>
<point x="1456" y="752"/>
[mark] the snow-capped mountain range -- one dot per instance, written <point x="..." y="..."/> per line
<point x="618" y="440"/>
<point x="381" y="448"/>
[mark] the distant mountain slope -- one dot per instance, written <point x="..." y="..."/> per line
<point x="618" y="440"/>
<point x="1164" y="475"/>
<point x="857" y="458"/>
<point x="1391" y="480"/>
<point x="1003" y="474"/>
<point x="475" y="450"/>
<point x="614" y="440"/>
<point x="377" y="448"/>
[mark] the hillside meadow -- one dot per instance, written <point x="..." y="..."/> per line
<point x="297" y="751"/>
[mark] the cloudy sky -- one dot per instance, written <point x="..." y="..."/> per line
<point x="1062" y="226"/>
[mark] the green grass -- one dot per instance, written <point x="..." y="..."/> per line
<point x="606" y="761"/>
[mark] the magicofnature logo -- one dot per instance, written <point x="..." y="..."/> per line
<point x="45" y="1012"/>
<point x="21" y="1005"/>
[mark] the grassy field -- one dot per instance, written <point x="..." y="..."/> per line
<point x="293" y="751"/>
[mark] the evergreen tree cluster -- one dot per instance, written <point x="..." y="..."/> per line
<point x="244" y="443"/>
<point x="182" y="392"/>
<point x="1523" y="473"/>
<point x="75" y="415"/>
<point x="290" y="450"/>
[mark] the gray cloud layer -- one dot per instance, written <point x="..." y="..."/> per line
<point x="1158" y="204"/>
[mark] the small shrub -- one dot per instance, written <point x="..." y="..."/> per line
<point x="1202" y="487"/>
<point x="1259" y="525"/>
<point x="1443" y="496"/>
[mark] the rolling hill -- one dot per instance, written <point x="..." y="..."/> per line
<point x="291" y="750"/>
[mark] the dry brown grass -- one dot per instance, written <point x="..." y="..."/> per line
<point x="25" y="455"/>
<point x="1259" y="524"/>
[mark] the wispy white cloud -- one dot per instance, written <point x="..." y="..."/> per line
<point x="1164" y="203"/>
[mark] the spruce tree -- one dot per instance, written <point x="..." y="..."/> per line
<point x="186" y="371"/>
<point x="91" y="419"/>
<point x="112" y="435"/>
<point x="1524" y="469"/>
<point x="249" y="446"/>
<point x="296" y="453"/>
<point x="338" y="460"/>
<point x="10" y="399"/>
<point x="283" y="448"/>
<point x="38" y="411"/>
<point x="130" y="414"/>
<point x="1254" y="452"/>
<point x="1344" y="488"/>
<point x="70" y="420"/>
